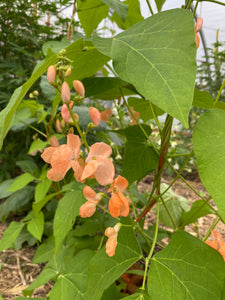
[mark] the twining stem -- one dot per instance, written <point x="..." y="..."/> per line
<point x="75" y="122"/>
<point x="165" y="137"/>
<point x="150" y="8"/>
<point x="148" y="258"/>
<point x="188" y="5"/>
<point x="211" y="228"/>
<point x="213" y="1"/>
<point x="219" y="93"/>
<point x="196" y="5"/>
<point x="71" y="20"/>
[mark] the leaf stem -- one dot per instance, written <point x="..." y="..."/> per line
<point x="219" y="93"/>
<point x="150" y="8"/>
<point x="148" y="258"/>
<point x="32" y="127"/>
<point x="75" y="122"/>
<point x="211" y="228"/>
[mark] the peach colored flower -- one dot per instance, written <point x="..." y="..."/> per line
<point x="89" y="207"/>
<point x="217" y="242"/>
<point x="65" y="92"/>
<point x="119" y="184"/>
<point x="112" y="233"/>
<point x="106" y="114"/>
<point x="51" y="74"/>
<point x="79" y="87"/>
<point x="61" y="157"/>
<point x="98" y="164"/>
<point x="118" y="203"/>
<point x="95" y="116"/>
<point x="78" y="167"/>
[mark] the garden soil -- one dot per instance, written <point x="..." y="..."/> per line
<point x="17" y="270"/>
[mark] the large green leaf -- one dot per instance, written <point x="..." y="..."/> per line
<point x="209" y="143"/>
<point x="158" y="57"/>
<point x="133" y="15"/>
<point x="66" y="213"/>
<point x="106" y="88"/>
<point x="186" y="269"/>
<point x="118" y="6"/>
<point x="91" y="13"/>
<point x="82" y="55"/>
<point x="72" y="282"/>
<point x="45" y="251"/>
<point x="10" y="234"/>
<point x="140" y="158"/>
<point x="104" y="270"/>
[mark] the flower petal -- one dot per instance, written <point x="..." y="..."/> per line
<point x="90" y="169"/>
<point x="111" y="246"/>
<point x="74" y="142"/>
<point x="99" y="149"/>
<point x="87" y="209"/>
<point x="118" y="205"/>
<point x="119" y="183"/>
<point x="91" y="195"/>
<point x="105" y="172"/>
<point x="47" y="154"/>
<point x="55" y="176"/>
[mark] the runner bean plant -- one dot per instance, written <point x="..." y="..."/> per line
<point x="88" y="217"/>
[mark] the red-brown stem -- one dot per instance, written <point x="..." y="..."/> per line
<point x="158" y="188"/>
<point x="146" y="211"/>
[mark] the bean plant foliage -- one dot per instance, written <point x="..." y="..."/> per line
<point x="76" y="192"/>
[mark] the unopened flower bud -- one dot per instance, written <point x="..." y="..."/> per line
<point x="79" y="87"/>
<point x="65" y="113"/>
<point x="31" y="95"/>
<point x="95" y="116"/>
<point x="58" y="126"/>
<point x="35" y="93"/>
<point x="51" y="73"/>
<point x="198" y="24"/>
<point x="65" y="92"/>
<point x="68" y="72"/>
<point x="54" y="141"/>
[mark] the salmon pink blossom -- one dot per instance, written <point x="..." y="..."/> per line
<point x="61" y="157"/>
<point x="118" y="203"/>
<point x="98" y="164"/>
<point x="89" y="207"/>
<point x="112" y="233"/>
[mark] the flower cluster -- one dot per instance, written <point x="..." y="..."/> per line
<point x="97" y="163"/>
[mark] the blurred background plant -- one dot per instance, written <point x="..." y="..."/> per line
<point x="25" y="27"/>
